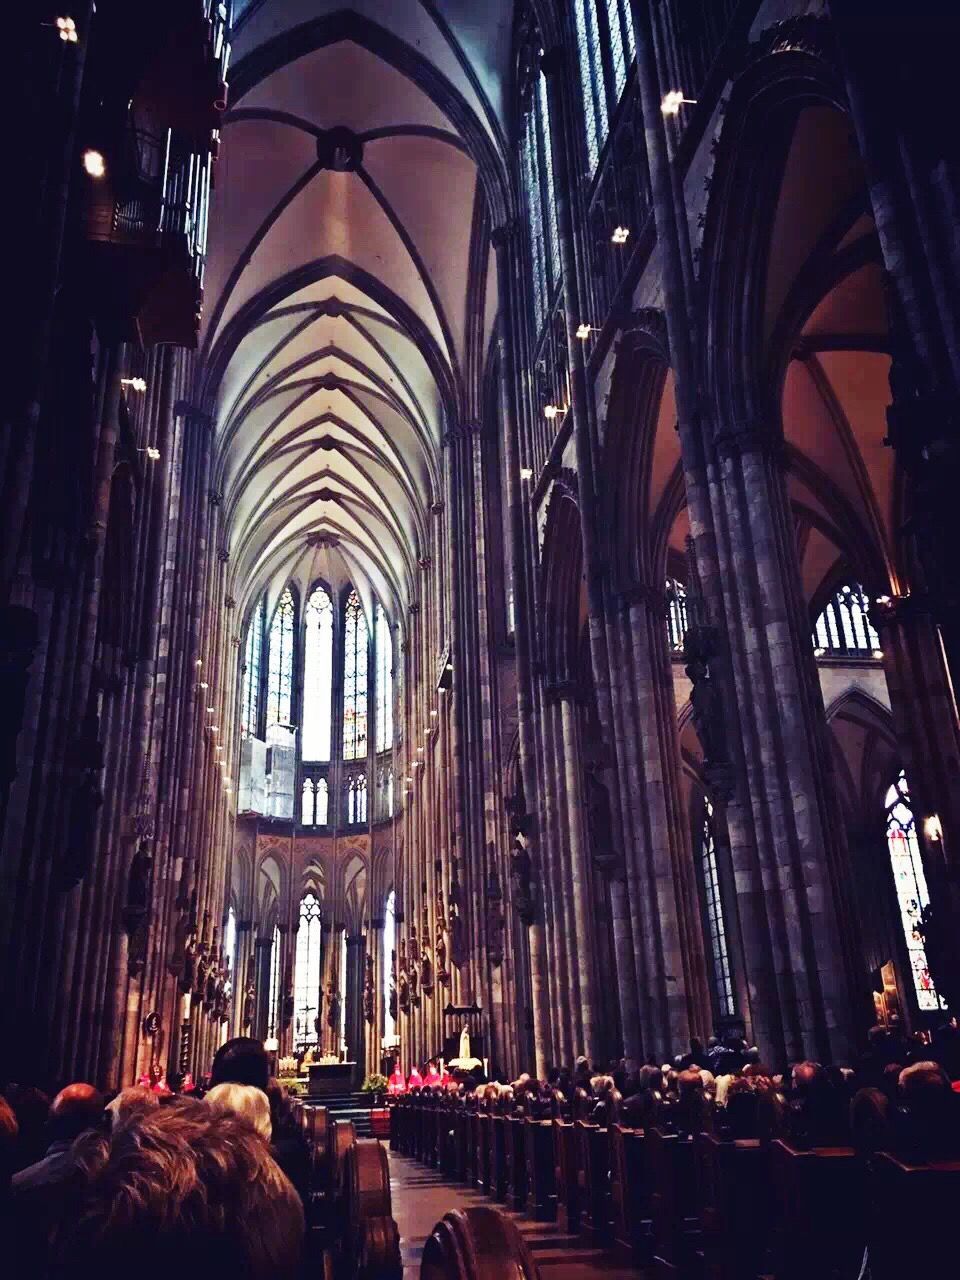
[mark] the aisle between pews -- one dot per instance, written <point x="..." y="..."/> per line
<point x="421" y="1197"/>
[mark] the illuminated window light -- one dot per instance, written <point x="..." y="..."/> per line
<point x="584" y="331"/>
<point x="620" y="235"/>
<point x="135" y="384"/>
<point x="932" y="828"/>
<point x="94" y="163"/>
<point x="674" y="100"/>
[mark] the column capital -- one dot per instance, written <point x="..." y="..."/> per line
<point x="559" y="690"/>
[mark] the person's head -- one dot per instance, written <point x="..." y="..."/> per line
<point x="807" y="1077"/>
<point x="243" y="1100"/>
<point x="75" y="1109"/>
<point x="242" y="1060"/>
<point x="187" y="1181"/>
<point x="690" y="1082"/>
<point x="869" y="1120"/>
<point x="923" y="1083"/>
<point x="137" y="1100"/>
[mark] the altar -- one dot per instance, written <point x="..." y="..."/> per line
<point x="327" y="1078"/>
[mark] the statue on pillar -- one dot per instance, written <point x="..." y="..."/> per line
<point x="403" y="983"/>
<point x="368" y="987"/>
<point x="413" y="976"/>
<point x="333" y="1007"/>
<point x="521" y="878"/>
<point x="440" y="951"/>
<point x="494" y="914"/>
<point x="249" y="1006"/>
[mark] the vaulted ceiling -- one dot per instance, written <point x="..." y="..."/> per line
<point x="349" y="293"/>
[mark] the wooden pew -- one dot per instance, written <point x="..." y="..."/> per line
<point x="472" y="1164"/>
<point x="630" y="1195"/>
<point x="566" y="1175"/>
<point x="498" y="1157"/>
<point x="736" y="1207"/>
<point x="470" y="1244"/>
<point x="369" y="1246"/>
<point x="516" y="1157"/>
<point x="911" y="1230"/>
<point x="818" y="1196"/>
<point x="461" y="1138"/>
<point x="541" y="1170"/>
<point x="593" y="1176"/>
<point x="484" y="1131"/>
<point x="674" y="1202"/>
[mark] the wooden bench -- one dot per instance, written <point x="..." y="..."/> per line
<point x="818" y="1212"/>
<point x="566" y="1164"/>
<point x="911" y="1230"/>
<point x="593" y="1174"/>
<point x="675" y="1209"/>
<point x="630" y="1195"/>
<point x="516" y="1157"/>
<point x="541" y="1170"/>
<point x="736" y="1207"/>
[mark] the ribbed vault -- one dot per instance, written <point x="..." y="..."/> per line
<point x="348" y="274"/>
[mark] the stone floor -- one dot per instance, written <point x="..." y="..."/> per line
<point x="421" y="1198"/>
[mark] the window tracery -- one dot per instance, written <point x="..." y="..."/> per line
<point x="307" y="974"/>
<point x="280" y="670"/>
<point x="354" y="680"/>
<point x="911" y="887"/>
<point x="317" y="676"/>
<point x="719" y="955"/>
<point x="606" y="48"/>
<point x="252" y="658"/>
<point x="844" y="628"/>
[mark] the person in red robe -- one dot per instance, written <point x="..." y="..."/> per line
<point x="432" y="1078"/>
<point x="415" y="1080"/>
<point x="397" y="1082"/>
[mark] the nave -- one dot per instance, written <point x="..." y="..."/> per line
<point x="478" y="599"/>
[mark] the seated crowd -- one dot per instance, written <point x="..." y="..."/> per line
<point x="138" y="1183"/>
<point x="901" y="1096"/>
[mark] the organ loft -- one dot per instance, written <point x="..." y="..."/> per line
<point x="480" y="635"/>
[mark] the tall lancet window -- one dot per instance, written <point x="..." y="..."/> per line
<point x="317" y="676"/>
<point x="536" y="163"/>
<point x="606" y="48"/>
<point x="280" y="669"/>
<point x="322" y="798"/>
<point x="273" y="991"/>
<point x="844" y="628"/>
<point x="389" y="943"/>
<point x="354" y="680"/>
<point x="911" y="885"/>
<point x="719" y="956"/>
<point x="307" y="974"/>
<point x="384" y="644"/>
<point x="230" y="943"/>
<point x="252" y="656"/>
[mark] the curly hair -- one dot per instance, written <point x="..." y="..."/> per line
<point x="185" y="1183"/>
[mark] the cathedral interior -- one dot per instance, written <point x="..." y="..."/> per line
<point x="477" y="490"/>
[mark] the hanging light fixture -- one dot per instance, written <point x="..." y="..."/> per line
<point x="67" y="30"/>
<point x="584" y="331"/>
<point x="674" y="100"/>
<point x="620" y="235"/>
<point x="94" y="164"/>
<point x="135" y="384"/>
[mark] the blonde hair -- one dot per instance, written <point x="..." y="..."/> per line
<point x="246" y="1101"/>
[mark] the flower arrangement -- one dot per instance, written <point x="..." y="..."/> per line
<point x="374" y="1083"/>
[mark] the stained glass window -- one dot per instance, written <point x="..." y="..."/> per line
<point x="357" y="799"/>
<point x="603" y="27"/>
<point x="384" y="676"/>
<point x="343" y="983"/>
<point x="273" y="993"/>
<point x="306" y="803"/>
<point x="253" y="652"/>
<point x="844" y="628"/>
<point x="322" y="796"/>
<point x="280" y="669"/>
<point x="354" y="680"/>
<point x="307" y="974"/>
<point x="911" y="887"/>
<point x="536" y="161"/>
<point x="713" y="911"/>
<point x="676" y="614"/>
<point x="230" y="941"/>
<point x="389" y="943"/>
<point x="317" y="676"/>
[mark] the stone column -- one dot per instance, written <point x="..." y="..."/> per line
<point x="580" y="876"/>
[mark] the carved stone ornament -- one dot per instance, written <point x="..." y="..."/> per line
<point x="494" y="917"/>
<point x="249" y="1004"/>
<point x="368" y="987"/>
<point x="403" y="983"/>
<point x="521" y="879"/>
